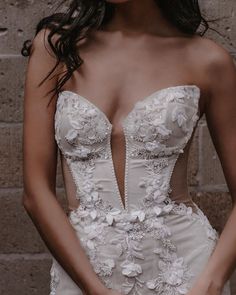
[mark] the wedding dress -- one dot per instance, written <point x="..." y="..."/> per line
<point x="156" y="241"/>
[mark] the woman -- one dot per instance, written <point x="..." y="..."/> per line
<point x="123" y="121"/>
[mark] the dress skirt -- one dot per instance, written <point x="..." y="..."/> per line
<point x="166" y="261"/>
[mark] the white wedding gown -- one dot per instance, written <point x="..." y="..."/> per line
<point x="158" y="241"/>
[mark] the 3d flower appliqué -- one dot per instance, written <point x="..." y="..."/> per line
<point x="179" y="115"/>
<point x="130" y="269"/>
<point x="131" y="248"/>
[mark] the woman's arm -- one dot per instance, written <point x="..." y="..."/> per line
<point x="39" y="172"/>
<point x="220" y="114"/>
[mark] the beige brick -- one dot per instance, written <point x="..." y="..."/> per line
<point x="18" y="232"/>
<point x="25" y="275"/>
<point x="211" y="175"/>
<point x="18" y="29"/>
<point x="233" y="283"/>
<point x="217" y="207"/>
<point x="11" y="159"/>
<point x="11" y="155"/>
<point x="11" y="91"/>
<point x="224" y="13"/>
<point x="193" y="160"/>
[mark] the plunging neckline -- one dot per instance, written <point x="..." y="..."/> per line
<point x="158" y="91"/>
<point x="124" y="199"/>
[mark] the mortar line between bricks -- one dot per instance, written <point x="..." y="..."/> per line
<point x="8" y="124"/>
<point x="26" y="256"/>
<point x="10" y="56"/>
<point x="10" y="189"/>
<point x="207" y="189"/>
<point x="213" y="188"/>
<point x="222" y="188"/>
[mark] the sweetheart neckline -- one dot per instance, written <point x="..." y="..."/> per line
<point x="124" y="199"/>
<point x="158" y="91"/>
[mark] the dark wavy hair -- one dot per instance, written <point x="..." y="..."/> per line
<point x="82" y="16"/>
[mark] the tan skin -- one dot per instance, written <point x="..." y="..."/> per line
<point x="137" y="53"/>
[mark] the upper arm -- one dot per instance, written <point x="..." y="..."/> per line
<point x="221" y="112"/>
<point x="39" y="146"/>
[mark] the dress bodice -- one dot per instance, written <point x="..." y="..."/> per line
<point x="157" y="131"/>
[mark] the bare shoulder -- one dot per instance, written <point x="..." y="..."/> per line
<point x="210" y="49"/>
<point x="212" y="63"/>
<point x="42" y="55"/>
<point x="217" y="55"/>
<point x="40" y="42"/>
<point x="211" y="56"/>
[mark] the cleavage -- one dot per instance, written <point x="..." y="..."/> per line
<point x="118" y="150"/>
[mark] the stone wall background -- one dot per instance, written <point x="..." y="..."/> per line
<point x="24" y="258"/>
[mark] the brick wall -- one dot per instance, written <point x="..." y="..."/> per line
<point x="24" y="259"/>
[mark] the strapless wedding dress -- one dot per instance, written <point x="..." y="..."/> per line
<point x="156" y="241"/>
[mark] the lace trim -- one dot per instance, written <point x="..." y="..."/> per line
<point x="133" y="227"/>
<point x="147" y="135"/>
<point x="146" y="125"/>
<point x="55" y="278"/>
<point x="147" y="218"/>
<point x="88" y="129"/>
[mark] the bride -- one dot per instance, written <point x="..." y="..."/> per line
<point x="118" y="88"/>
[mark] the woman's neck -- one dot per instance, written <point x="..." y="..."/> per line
<point x="140" y="17"/>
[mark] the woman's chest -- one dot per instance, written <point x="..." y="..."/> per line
<point x="160" y="122"/>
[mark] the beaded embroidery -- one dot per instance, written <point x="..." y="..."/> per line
<point x="148" y="137"/>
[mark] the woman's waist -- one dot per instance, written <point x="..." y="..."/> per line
<point x="146" y="236"/>
<point x="136" y="205"/>
<point x="137" y="219"/>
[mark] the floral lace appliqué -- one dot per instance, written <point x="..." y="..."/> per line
<point x="55" y="278"/>
<point x="150" y="131"/>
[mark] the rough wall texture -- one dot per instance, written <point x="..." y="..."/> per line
<point x="24" y="259"/>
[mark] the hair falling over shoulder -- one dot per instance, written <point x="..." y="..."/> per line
<point x="82" y="16"/>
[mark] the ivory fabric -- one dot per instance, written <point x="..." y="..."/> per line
<point x="158" y="241"/>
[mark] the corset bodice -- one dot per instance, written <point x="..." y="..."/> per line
<point x="136" y="241"/>
<point x="156" y="131"/>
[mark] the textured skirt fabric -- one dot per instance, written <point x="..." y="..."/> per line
<point x="157" y="268"/>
